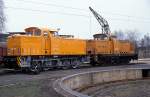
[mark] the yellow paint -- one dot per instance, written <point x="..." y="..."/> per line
<point x="110" y="46"/>
<point x="49" y="43"/>
<point x="45" y="44"/>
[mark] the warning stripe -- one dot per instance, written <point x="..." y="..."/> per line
<point x="19" y="61"/>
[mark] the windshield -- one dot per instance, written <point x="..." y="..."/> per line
<point x="100" y="37"/>
<point x="55" y="34"/>
<point x="29" y="33"/>
<point x="37" y="33"/>
<point x="33" y="33"/>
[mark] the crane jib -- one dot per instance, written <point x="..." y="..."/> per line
<point x="104" y="24"/>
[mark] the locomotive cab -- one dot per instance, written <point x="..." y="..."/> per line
<point x="33" y="42"/>
<point x="100" y="36"/>
<point x="35" y="31"/>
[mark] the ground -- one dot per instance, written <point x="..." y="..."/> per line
<point x="17" y="84"/>
<point x="138" y="88"/>
<point x="36" y="88"/>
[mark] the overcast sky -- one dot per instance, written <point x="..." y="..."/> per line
<point x="73" y="16"/>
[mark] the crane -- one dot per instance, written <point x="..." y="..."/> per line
<point x="104" y="24"/>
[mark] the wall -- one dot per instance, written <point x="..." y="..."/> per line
<point x="69" y="84"/>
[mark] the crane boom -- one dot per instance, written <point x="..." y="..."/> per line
<point x="104" y="24"/>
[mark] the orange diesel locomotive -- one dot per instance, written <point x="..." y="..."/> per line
<point x="108" y="50"/>
<point x="44" y="48"/>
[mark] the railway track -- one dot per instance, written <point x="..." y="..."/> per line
<point x="15" y="79"/>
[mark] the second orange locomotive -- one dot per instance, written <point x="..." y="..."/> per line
<point x="106" y="49"/>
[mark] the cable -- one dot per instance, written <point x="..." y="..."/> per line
<point x="50" y="4"/>
<point x="68" y="7"/>
<point x="128" y="20"/>
<point x="63" y="13"/>
<point x="128" y="16"/>
<point x="50" y="12"/>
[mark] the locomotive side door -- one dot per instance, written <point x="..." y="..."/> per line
<point x="46" y="43"/>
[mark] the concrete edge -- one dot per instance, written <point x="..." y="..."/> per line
<point x="65" y="91"/>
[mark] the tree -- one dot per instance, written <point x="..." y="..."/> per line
<point x="2" y="16"/>
<point x="145" y="41"/>
<point x="133" y="36"/>
<point x="144" y="48"/>
<point x="120" y="34"/>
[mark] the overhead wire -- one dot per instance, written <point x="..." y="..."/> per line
<point x="81" y="9"/>
<point x="45" y="11"/>
<point x="129" y="17"/>
<point x="51" y="4"/>
<point x="72" y="14"/>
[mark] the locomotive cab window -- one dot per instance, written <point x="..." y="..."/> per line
<point x="37" y="33"/>
<point x="100" y="37"/>
<point x="33" y="31"/>
<point x="45" y="34"/>
<point x="29" y="33"/>
<point x="55" y="33"/>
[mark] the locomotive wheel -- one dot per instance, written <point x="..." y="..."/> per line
<point x="93" y="63"/>
<point x="25" y="70"/>
<point x="35" y="68"/>
<point x="65" y="67"/>
<point x="75" y="64"/>
<point x="127" y="61"/>
<point x="66" y="64"/>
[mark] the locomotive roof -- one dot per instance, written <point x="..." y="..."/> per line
<point x="42" y="29"/>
